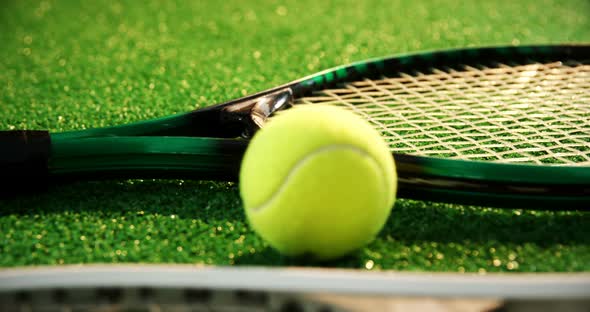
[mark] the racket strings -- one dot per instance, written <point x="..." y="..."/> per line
<point x="535" y="113"/>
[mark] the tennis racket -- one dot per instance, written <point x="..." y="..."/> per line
<point x="501" y="126"/>
<point x="140" y="287"/>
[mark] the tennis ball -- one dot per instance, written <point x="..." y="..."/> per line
<point x="317" y="180"/>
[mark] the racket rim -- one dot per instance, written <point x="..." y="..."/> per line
<point x="559" y="284"/>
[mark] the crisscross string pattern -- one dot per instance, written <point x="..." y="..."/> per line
<point x="534" y="113"/>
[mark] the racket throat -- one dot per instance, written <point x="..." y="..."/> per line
<point x="252" y="114"/>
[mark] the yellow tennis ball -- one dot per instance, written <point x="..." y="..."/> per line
<point x="317" y="180"/>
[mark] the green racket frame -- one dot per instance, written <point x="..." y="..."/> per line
<point x="209" y="143"/>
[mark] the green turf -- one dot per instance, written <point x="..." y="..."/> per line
<point x="71" y="65"/>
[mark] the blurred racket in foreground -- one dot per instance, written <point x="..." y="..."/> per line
<point x="194" y="288"/>
<point x="505" y="127"/>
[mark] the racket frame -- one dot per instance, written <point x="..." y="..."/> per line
<point x="208" y="143"/>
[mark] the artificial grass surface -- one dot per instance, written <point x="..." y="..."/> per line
<point x="69" y="65"/>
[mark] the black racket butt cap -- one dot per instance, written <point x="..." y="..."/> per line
<point x="24" y="156"/>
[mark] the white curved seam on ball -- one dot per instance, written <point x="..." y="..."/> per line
<point x="302" y="162"/>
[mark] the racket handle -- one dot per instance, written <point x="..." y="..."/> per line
<point x="24" y="156"/>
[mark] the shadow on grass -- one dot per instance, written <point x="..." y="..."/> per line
<point x="413" y="221"/>
<point x="206" y="200"/>
<point x="410" y="221"/>
<point x="270" y="257"/>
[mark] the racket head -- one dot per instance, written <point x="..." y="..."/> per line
<point x="510" y="120"/>
<point x="524" y="105"/>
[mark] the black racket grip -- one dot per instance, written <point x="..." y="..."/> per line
<point x="24" y="156"/>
